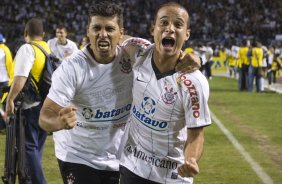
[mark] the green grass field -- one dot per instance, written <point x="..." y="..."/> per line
<point x="254" y="119"/>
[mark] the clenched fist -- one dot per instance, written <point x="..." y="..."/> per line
<point x="67" y="117"/>
<point x="189" y="168"/>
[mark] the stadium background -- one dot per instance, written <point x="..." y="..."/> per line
<point x="222" y="22"/>
<point x="253" y="118"/>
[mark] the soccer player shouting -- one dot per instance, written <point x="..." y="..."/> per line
<point x="169" y="108"/>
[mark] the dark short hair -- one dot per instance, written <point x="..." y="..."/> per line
<point x="34" y="27"/>
<point x="106" y="8"/>
<point x="172" y="4"/>
<point x="61" y="27"/>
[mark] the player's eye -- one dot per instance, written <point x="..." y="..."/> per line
<point x="96" y="28"/>
<point x="179" y="24"/>
<point x="110" y="29"/>
<point x="164" y="23"/>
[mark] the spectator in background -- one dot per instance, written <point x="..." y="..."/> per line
<point x="208" y="65"/>
<point x="30" y="60"/>
<point x="61" y="46"/>
<point x="6" y="74"/>
<point x="6" y="65"/>
<point x="242" y="66"/>
<point x="231" y="60"/>
<point x="201" y="50"/>
<point x="255" y="65"/>
<point x="84" y="42"/>
<point x="275" y="66"/>
<point x="264" y="66"/>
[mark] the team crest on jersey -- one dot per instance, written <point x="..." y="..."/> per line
<point x="126" y="65"/>
<point x="87" y="113"/>
<point x="169" y="96"/>
<point x="148" y="105"/>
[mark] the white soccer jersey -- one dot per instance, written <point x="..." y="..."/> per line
<point x="102" y="94"/>
<point x="62" y="51"/>
<point x="163" y="108"/>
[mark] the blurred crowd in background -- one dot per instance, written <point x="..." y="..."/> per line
<point x="218" y="30"/>
<point x="221" y="22"/>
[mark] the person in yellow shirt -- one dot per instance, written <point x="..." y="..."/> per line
<point x="6" y="65"/>
<point x="255" y="65"/>
<point x="275" y="66"/>
<point x="6" y="70"/>
<point x="242" y="66"/>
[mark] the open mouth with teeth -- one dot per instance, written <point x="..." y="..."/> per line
<point x="103" y="45"/>
<point x="168" y="42"/>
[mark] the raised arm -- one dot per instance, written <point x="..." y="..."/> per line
<point x="53" y="117"/>
<point x="192" y="152"/>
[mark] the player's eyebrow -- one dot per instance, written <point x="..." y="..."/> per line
<point x="164" y="17"/>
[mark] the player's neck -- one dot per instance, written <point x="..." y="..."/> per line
<point x="165" y="63"/>
<point x="62" y="42"/>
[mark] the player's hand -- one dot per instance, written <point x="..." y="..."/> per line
<point x="10" y="107"/>
<point x="189" y="168"/>
<point x="67" y="117"/>
<point x="189" y="62"/>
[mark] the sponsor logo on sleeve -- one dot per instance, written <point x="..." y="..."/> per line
<point x="193" y="95"/>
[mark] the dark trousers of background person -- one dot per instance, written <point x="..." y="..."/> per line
<point x="128" y="177"/>
<point x="2" y="122"/>
<point x="271" y="75"/>
<point x="34" y="144"/>
<point x="232" y="71"/>
<point x="253" y="74"/>
<point x="82" y="174"/>
<point x="207" y="68"/>
<point x="243" y="78"/>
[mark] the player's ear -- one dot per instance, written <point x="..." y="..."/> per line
<point x="121" y="32"/>
<point x="152" y="29"/>
<point x="87" y="31"/>
<point x="187" y="34"/>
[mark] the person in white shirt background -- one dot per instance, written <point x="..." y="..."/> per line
<point x="61" y="46"/>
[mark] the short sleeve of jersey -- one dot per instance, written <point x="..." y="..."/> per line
<point x="24" y="60"/>
<point x="73" y="46"/>
<point x="134" y="47"/>
<point x="63" y="84"/>
<point x="195" y="90"/>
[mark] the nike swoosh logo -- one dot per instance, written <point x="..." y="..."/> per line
<point x="139" y="80"/>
